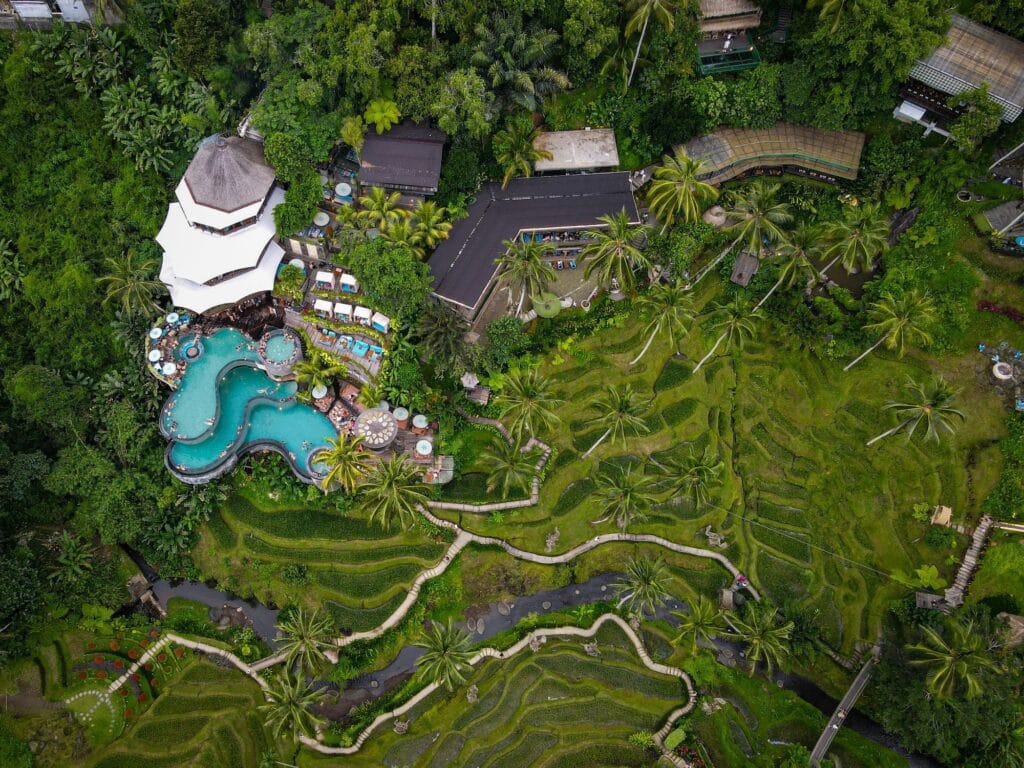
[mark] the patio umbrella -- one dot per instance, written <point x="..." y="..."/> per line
<point x="547" y="305"/>
<point x="169" y="369"/>
<point x="343" y="189"/>
<point x="424" y="447"/>
<point x="154" y="355"/>
<point x="172" y="318"/>
<point x="321" y="219"/>
<point x="156" y="333"/>
<point x="319" y="391"/>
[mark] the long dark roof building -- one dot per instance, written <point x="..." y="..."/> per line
<point x="407" y="158"/>
<point x="464" y="266"/>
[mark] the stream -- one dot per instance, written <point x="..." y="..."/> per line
<point x="486" y="621"/>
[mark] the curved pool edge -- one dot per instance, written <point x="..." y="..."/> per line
<point x="237" y="453"/>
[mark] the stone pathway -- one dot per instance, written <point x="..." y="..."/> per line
<point x="153" y="651"/>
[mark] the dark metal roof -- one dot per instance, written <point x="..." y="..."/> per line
<point x="406" y="157"/>
<point x="464" y="264"/>
<point x="228" y="173"/>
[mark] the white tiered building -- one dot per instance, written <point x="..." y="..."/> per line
<point x="219" y="238"/>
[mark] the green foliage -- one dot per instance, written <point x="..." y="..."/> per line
<point x="300" y="203"/>
<point x="391" y="276"/>
<point x="201" y="28"/>
<point x="506" y="341"/>
<point x="382" y="114"/>
<point x="289" y="155"/>
<point x="981" y="117"/>
<point x="14" y="753"/>
<point x="1007" y="498"/>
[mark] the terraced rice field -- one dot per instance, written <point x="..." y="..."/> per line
<point x="358" y="572"/>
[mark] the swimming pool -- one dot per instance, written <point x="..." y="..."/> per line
<point x="226" y="407"/>
<point x="280" y="348"/>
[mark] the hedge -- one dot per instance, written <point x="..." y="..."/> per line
<point x="672" y="374"/>
<point x="679" y="411"/>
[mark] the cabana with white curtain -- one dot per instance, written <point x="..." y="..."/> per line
<point x="323" y="307"/>
<point x="381" y="322"/>
<point x="349" y="284"/>
<point x="343" y="312"/>
<point x="363" y="315"/>
<point x="325" y="280"/>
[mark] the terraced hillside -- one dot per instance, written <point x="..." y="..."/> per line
<point x="292" y="552"/>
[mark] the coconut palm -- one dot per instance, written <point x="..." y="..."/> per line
<point x="318" y="370"/>
<point x="954" y="660"/>
<point x="901" y="321"/>
<point x="402" y="232"/>
<point x="694" y="474"/>
<point x="931" y="406"/>
<point x="304" y="637"/>
<point x="625" y="495"/>
<point x="432" y="225"/>
<point x="620" y="61"/>
<point x="288" y="710"/>
<point x="446" y="657"/>
<point x="758" y="217"/>
<point x="644" y="586"/>
<point x="392" y="492"/>
<point x="73" y="561"/>
<point x="347" y="462"/>
<point x="796" y="260"/>
<point x="670" y="309"/>
<point x="857" y="239"/>
<point x="508" y="467"/>
<point x="515" y="151"/>
<point x="613" y="252"/>
<point x="735" y="319"/>
<point x="525" y="270"/>
<point x="642" y="11"/>
<point x="442" y="333"/>
<point x="619" y="412"/>
<point x="131" y="284"/>
<point x="761" y="629"/>
<point x="380" y="208"/>
<point x="527" y="401"/>
<point x="703" y="621"/>
<point x="382" y="114"/>
<point x="833" y="11"/>
<point x="675" y="193"/>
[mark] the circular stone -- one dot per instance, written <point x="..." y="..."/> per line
<point x="503" y="609"/>
<point x="1002" y="371"/>
<point x="376" y="428"/>
<point x="471" y="625"/>
<point x="547" y="305"/>
<point x="604" y="588"/>
<point x="480" y="626"/>
<point x="546" y="605"/>
<point x="374" y="684"/>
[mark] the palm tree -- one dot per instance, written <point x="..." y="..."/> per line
<point x="514" y="61"/>
<point x="288" y="709"/>
<point x="380" y="208"/>
<point x="318" y="371"/>
<point x="932" y="406"/>
<point x="694" y="474"/>
<point x="644" y="587"/>
<point x="758" y="217"/>
<point x="834" y="10"/>
<point x="670" y="308"/>
<point x="446" y="657"/>
<point x="402" y="232"/>
<point x="431" y="223"/>
<point x="676" y="193"/>
<point x="901" y="321"/>
<point x="305" y="636"/>
<point x="348" y="463"/>
<point x="524" y="269"/>
<point x="662" y="11"/>
<point x="761" y="629"/>
<point x="528" y="402"/>
<point x="442" y="332"/>
<point x="626" y="495"/>
<point x="955" y="663"/>
<point x="509" y="468"/>
<point x="796" y="260"/>
<point x="619" y="62"/>
<point x="619" y="410"/>
<point x="614" y="252"/>
<point x="382" y="114"/>
<point x="393" y="491"/>
<point x="736" y="321"/>
<point x="515" y="151"/>
<point x="73" y="561"/>
<point x="704" y="621"/>
<point x="857" y="238"/>
<point x="131" y="284"/>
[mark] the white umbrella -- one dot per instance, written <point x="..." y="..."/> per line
<point x="169" y="369"/>
<point x="172" y="318"/>
<point x="321" y="219"/>
<point x="424" y="447"/>
<point x="154" y="355"/>
<point x="343" y="189"/>
<point x="156" y="333"/>
<point x="319" y="391"/>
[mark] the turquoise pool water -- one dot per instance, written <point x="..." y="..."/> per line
<point x="225" y="405"/>
<point x="280" y="348"/>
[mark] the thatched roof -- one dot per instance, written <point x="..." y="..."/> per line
<point x="228" y="173"/>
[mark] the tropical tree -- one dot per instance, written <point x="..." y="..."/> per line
<point x="402" y="232"/>
<point x="304" y="635"/>
<point x="735" y="319"/>
<point x="379" y="208"/>
<point x="318" y="370"/>
<point x="288" y="709"/>
<point x="670" y="309"/>
<point x="931" y="406"/>
<point x="442" y="333"/>
<point x="12" y="273"/>
<point x="131" y="284"/>
<point x="642" y="11"/>
<point x="525" y="269"/>
<point x="508" y="466"/>
<point x="347" y="462"/>
<point x="392" y="492"/>
<point x="515" y="151"/>
<point x="613" y="252"/>
<point x="857" y="239"/>
<point x="619" y="412"/>
<point x="431" y="223"/>
<point x="833" y="11"/>
<point x="73" y="561"/>
<point x="446" y="657"/>
<point x="758" y="217"/>
<point x="382" y="114"/>
<point x="795" y="257"/>
<point x="625" y="495"/>
<point x="527" y="401"/>
<point x="694" y="474"/>
<point x="676" y="193"/>
<point x="900" y="320"/>
<point x="703" y="621"/>
<point x="762" y="630"/>
<point x="954" y="659"/>
<point x="644" y="586"/>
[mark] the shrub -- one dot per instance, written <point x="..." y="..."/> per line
<point x="295" y="573"/>
<point x="673" y="373"/>
<point x="679" y="411"/>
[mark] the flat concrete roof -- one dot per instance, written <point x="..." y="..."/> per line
<point x="577" y="150"/>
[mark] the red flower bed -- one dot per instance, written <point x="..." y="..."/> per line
<point x="136" y="678"/>
<point x="133" y="654"/>
<point x="102" y="674"/>
<point x="82" y="675"/>
<point x="144" y="643"/>
<point x="154" y="634"/>
<point x="179" y="652"/>
<point x="128" y="712"/>
<point x="1011" y="312"/>
<point x="114" y="645"/>
<point x="122" y="691"/>
<point x="162" y="657"/>
<point x="149" y="666"/>
<point x="119" y="664"/>
<point x="141" y="697"/>
<point x="97" y="659"/>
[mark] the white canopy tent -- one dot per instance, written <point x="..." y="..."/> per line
<point x="381" y="322"/>
<point x="202" y="298"/>
<point x="349" y="282"/>
<point x="324" y="306"/>
<point x="327" y="278"/>
<point x="342" y="310"/>
<point x="363" y="315"/>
